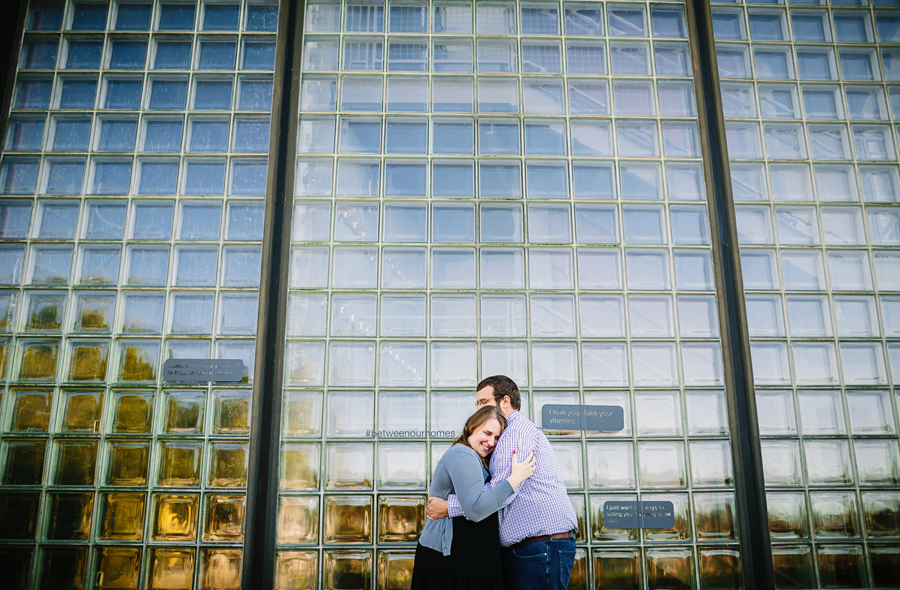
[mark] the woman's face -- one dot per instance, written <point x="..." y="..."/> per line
<point x="484" y="438"/>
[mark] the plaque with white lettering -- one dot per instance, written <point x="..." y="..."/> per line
<point x="203" y="370"/>
<point x="575" y="417"/>
<point x="648" y="514"/>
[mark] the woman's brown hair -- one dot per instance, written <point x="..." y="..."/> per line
<point x="475" y="421"/>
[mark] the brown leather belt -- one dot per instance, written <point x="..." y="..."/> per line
<point x="527" y="540"/>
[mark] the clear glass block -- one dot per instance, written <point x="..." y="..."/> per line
<point x="802" y="270"/>
<point x="646" y="269"/>
<point x="351" y="364"/>
<point x="658" y="413"/>
<point x="828" y="462"/>
<point x="503" y="316"/>
<point x="453" y="268"/>
<point x="601" y="317"/>
<point x="808" y="316"/>
<point x="781" y="463"/>
<point x="402" y="365"/>
<point x="499" y="223"/>
<point x="305" y="363"/>
<point x="815" y="364"/>
<point x="788" y="517"/>
<point x="502" y="268"/>
<point x="402" y="315"/>
<point x="452" y="365"/>
<point x="770" y="363"/>
<point x="604" y="365"/>
<point x="654" y="365"/>
<point x="401" y="466"/>
<point x="299" y="466"/>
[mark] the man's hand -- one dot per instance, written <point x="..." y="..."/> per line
<point x="436" y="509"/>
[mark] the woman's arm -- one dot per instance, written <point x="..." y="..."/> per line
<point x="477" y="502"/>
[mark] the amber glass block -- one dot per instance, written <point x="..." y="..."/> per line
<point x="7" y="312"/>
<point x="348" y="519"/>
<point x="617" y="569"/>
<point x="224" y="518"/>
<point x="347" y="570"/>
<point x="31" y="410"/>
<point x="94" y="313"/>
<point x="885" y="566"/>
<point x="179" y="463"/>
<point x="137" y="361"/>
<point x="296" y="570"/>
<point x="70" y="517"/>
<point x="62" y="567"/>
<point x="682" y="529"/>
<point x="228" y="465"/>
<point x="122" y="517"/>
<point x="670" y="569"/>
<point x="302" y="414"/>
<point x="793" y="567"/>
<point x="88" y="361"/>
<point x="714" y="516"/>
<point x="81" y="411"/>
<point x="300" y="467"/>
<point x="38" y="361"/>
<point x="298" y="519"/>
<point x="45" y="311"/>
<point x="882" y="513"/>
<point x="787" y="516"/>
<point x="834" y="514"/>
<point x="15" y="563"/>
<point x="720" y="569"/>
<point x="132" y="412"/>
<point x="578" y="504"/>
<point x="232" y="412"/>
<point x="220" y="569"/>
<point x="24" y="462"/>
<point x="4" y="357"/>
<point x="118" y="568"/>
<point x="841" y="566"/>
<point x="171" y="569"/>
<point x="400" y="518"/>
<point x="175" y="517"/>
<point x="599" y="532"/>
<point x="184" y="411"/>
<point x="76" y="462"/>
<point x="578" y="577"/>
<point x="19" y="514"/>
<point x="128" y="463"/>
<point x="395" y="569"/>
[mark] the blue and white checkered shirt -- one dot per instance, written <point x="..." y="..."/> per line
<point x="540" y="506"/>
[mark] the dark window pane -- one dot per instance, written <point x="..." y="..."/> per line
<point x="39" y="54"/>
<point x="176" y="17"/>
<point x="221" y="17"/>
<point x="168" y="95"/>
<point x="117" y="135"/>
<point x="123" y="94"/>
<point x="128" y="55"/>
<point x="173" y="55"/>
<point x="217" y="55"/>
<point x="89" y="17"/>
<point x="133" y="17"/>
<point x="77" y="94"/>
<point x="213" y="94"/>
<point x="262" y="17"/>
<point x="84" y="55"/>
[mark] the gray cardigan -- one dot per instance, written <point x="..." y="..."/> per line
<point x="461" y="472"/>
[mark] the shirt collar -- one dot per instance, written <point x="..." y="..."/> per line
<point x="511" y="417"/>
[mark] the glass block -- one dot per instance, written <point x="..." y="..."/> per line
<point x="793" y="565"/>
<point x="121" y="517"/>
<point x="63" y="566"/>
<point x="841" y="564"/>
<point x="343" y="569"/>
<point x="298" y="519"/>
<point x="132" y="412"/>
<point x="781" y="463"/>
<point x="828" y="462"/>
<point x="127" y="463"/>
<point x="646" y="269"/>
<point x="670" y="567"/>
<point x="296" y="570"/>
<point x="69" y="516"/>
<point x="610" y="465"/>
<point x="349" y="465"/>
<point x="179" y="463"/>
<point x="75" y="463"/>
<point x="877" y="462"/>
<point x="505" y="359"/>
<point x="834" y="515"/>
<point x="44" y="311"/>
<point x="224" y="518"/>
<point x="348" y="519"/>
<point x="714" y="516"/>
<point x="118" y="567"/>
<point x="37" y="360"/>
<point x="682" y="529"/>
<point x="305" y="363"/>
<point x="227" y="465"/>
<point x="299" y="467"/>
<point x="302" y="414"/>
<point x="821" y="412"/>
<point x="544" y="399"/>
<point x="171" y="568"/>
<point x="401" y="465"/>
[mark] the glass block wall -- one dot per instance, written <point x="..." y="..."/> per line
<point x="131" y="208"/>
<point x="809" y="102"/>
<point x="499" y="187"/>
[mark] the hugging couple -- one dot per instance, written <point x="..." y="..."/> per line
<point x="512" y="526"/>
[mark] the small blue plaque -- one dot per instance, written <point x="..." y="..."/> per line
<point x="575" y="417"/>
<point x="203" y="370"/>
<point x="648" y="514"/>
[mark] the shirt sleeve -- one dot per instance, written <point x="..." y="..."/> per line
<point x="501" y="462"/>
<point x="476" y="501"/>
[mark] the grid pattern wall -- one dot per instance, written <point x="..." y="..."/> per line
<point x="131" y="222"/>
<point x="513" y="188"/>
<point x="815" y="178"/>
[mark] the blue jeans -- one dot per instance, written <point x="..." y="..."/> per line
<point x="541" y="565"/>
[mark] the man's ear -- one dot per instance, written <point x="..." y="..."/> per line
<point x="505" y="402"/>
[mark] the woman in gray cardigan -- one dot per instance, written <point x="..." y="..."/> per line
<point x="457" y="553"/>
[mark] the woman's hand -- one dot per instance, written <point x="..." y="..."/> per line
<point x="521" y="470"/>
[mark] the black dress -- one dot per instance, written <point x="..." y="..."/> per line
<point x="473" y="563"/>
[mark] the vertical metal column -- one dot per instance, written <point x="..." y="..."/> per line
<point x="258" y="567"/>
<point x="750" y="494"/>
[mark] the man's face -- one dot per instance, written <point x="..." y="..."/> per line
<point x="485" y="397"/>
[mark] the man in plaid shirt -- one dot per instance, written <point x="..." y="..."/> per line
<point x="537" y="523"/>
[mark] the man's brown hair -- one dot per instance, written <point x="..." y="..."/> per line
<point x="503" y="386"/>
